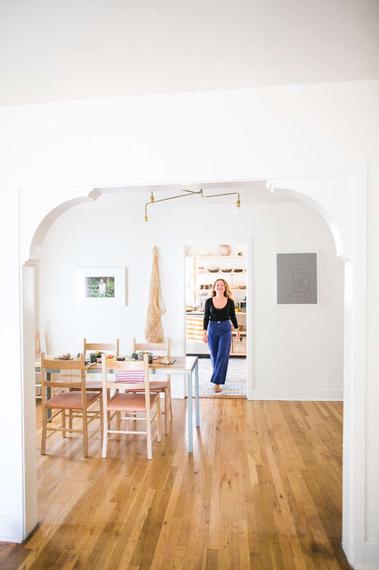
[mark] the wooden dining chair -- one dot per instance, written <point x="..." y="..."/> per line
<point x="113" y="347"/>
<point x="107" y="347"/>
<point x="63" y="386"/>
<point x="162" y="386"/>
<point x="142" y="406"/>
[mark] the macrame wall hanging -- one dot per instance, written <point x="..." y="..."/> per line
<point x="153" y="328"/>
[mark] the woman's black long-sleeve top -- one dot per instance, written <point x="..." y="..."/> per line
<point x="214" y="314"/>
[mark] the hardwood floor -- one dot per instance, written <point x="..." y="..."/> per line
<point x="262" y="491"/>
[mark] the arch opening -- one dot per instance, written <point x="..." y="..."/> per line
<point x="53" y="215"/>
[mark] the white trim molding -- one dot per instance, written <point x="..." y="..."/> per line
<point x="341" y="198"/>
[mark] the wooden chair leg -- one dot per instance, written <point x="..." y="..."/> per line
<point x="85" y="433"/>
<point x="63" y="423"/>
<point x="159" y="435"/>
<point x="108" y="399"/>
<point x="101" y="418"/>
<point x="148" y="437"/>
<point x="70" y="419"/>
<point x="44" y="431"/>
<point x="166" y="410"/>
<point x="169" y="391"/>
<point x="105" y="428"/>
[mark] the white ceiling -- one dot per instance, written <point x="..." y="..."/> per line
<point x="54" y="50"/>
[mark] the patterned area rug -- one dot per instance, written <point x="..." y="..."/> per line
<point x="235" y="384"/>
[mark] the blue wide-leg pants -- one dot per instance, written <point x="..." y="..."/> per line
<point x="219" y="341"/>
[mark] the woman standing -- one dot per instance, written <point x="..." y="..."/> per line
<point x="219" y="311"/>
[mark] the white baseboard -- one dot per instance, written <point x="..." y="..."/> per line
<point x="297" y="395"/>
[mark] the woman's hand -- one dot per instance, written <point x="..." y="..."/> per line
<point x="205" y="336"/>
<point x="238" y="335"/>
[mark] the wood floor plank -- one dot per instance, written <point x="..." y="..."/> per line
<point x="262" y="490"/>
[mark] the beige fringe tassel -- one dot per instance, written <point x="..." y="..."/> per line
<point x="153" y="328"/>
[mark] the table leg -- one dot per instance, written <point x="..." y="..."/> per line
<point x="197" y="395"/>
<point x="48" y="392"/>
<point x="189" y="413"/>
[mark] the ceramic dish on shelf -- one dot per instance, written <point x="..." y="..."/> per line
<point x="225" y="249"/>
<point x="226" y="270"/>
<point x="238" y="270"/>
<point x="213" y="269"/>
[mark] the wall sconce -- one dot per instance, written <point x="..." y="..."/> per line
<point x="200" y="193"/>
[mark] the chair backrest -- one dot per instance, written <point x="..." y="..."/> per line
<point x="162" y="347"/>
<point x="101" y="346"/>
<point x="132" y="376"/>
<point x="57" y="370"/>
<point x="131" y="373"/>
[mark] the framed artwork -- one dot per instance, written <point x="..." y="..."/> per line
<point x="101" y="285"/>
<point x="297" y="278"/>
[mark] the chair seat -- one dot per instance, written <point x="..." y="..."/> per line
<point x="71" y="400"/>
<point x="154" y="385"/>
<point x="130" y="402"/>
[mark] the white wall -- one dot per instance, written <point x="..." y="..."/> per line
<point x="291" y="131"/>
<point x="307" y="340"/>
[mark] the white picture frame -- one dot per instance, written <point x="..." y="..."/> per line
<point x="101" y="286"/>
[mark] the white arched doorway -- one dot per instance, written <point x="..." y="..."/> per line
<point x="348" y="226"/>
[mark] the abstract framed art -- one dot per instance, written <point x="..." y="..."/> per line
<point x="297" y="278"/>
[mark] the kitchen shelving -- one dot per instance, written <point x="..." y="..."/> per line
<point x="199" y="286"/>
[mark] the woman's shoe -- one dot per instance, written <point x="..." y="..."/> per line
<point x="217" y="388"/>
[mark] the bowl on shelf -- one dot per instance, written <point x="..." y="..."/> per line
<point x="225" y="249"/>
<point x="238" y="270"/>
<point x="213" y="269"/>
<point x="226" y="270"/>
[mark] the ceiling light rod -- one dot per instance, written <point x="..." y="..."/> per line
<point x="154" y="201"/>
<point x="200" y="193"/>
<point x="238" y="203"/>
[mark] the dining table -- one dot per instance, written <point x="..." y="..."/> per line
<point x="187" y="366"/>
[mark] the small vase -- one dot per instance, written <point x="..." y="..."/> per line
<point x="224" y="249"/>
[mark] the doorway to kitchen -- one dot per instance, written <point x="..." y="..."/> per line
<point x="205" y="262"/>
